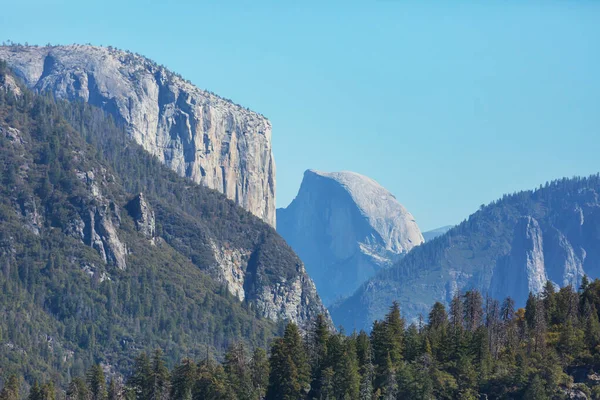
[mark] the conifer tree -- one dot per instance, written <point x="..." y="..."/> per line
<point x="295" y="347"/>
<point x="159" y="378"/>
<point x="182" y="380"/>
<point x="11" y="389"/>
<point x="259" y="369"/>
<point x="284" y="382"/>
<point x="96" y="383"/>
<point x="78" y="390"/>
<point x="238" y="372"/>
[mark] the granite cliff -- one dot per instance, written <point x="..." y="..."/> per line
<point x="511" y="247"/>
<point x="107" y="251"/>
<point x="346" y="227"/>
<point x="197" y="134"/>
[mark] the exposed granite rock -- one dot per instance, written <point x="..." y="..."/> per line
<point x="523" y="270"/>
<point x="231" y="268"/>
<point x="8" y="83"/>
<point x="101" y="234"/>
<point x="96" y="225"/>
<point x="143" y="216"/>
<point x="291" y="300"/>
<point x="507" y="248"/>
<point x="202" y="136"/>
<point x="346" y="227"/>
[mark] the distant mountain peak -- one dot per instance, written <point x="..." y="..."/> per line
<point x="345" y="226"/>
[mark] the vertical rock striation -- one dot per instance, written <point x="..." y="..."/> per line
<point x="197" y="134"/>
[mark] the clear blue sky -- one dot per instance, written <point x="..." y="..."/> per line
<point x="448" y="104"/>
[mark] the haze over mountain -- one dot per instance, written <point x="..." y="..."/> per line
<point x="196" y="133"/>
<point x="104" y="251"/>
<point x="432" y="234"/>
<point x="508" y="248"/>
<point x="346" y="227"/>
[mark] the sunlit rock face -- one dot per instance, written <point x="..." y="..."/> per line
<point x="346" y="227"/>
<point x="196" y="133"/>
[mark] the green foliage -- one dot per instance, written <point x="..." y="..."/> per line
<point x="83" y="311"/>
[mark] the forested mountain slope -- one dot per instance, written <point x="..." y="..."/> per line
<point x="508" y="248"/>
<point x="196" y="133"/>
<point x="104" y="251"/>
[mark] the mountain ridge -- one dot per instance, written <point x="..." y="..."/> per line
<point x="560" y="240"/>
<point x="109" y="252"/>
<point x="198" y="134"/>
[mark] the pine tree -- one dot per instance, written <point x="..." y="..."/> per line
<point x="35" y="393"/>
<point x="115" y="390"/>
<point x="592" y="327"/>
<point x="536" y="390"/>
<point x="389" y="388"/>
<point x="342" y="359"/>
<point x="394" y="325"/>
<point x="317" y="345"/>
<point x="212" y="383"/>
<point x="238" y="372"/>
<point x="412" y="343"/>
<point x="47" y="391"/>
<point x="141" y="381"/>
<point x="183" y="379"/>
<point x="284" y="381"/>
<point x="96" y="383"/>
<point x="295" y="347"/>
<point x="159" y="378"/>
<point x="11" y="389"/>
<point x="78" y="390"/>
<point x="473" y="310"/>
<point x="259" y="370"/>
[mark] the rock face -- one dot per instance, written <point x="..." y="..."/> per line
<point x="143" y="215"/>
<point x="511" y="247"/>
<point x="346" y="227"/>
<point x="99" y="220"/>
<point x="523" y="270"/>
<point x="197" y="134"/>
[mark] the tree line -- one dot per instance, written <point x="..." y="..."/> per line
<point x="475" y="348"/>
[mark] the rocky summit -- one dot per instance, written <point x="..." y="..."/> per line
<point x="196" y="133"/>
<point x="346" y="227"/>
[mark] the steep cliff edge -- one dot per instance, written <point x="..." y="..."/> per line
<point x="197" y="134"/>
<point x="346" y="227"/>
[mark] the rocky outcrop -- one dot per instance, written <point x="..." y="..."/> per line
<point x="98" y="222"/>
<point x="230" y="268"/>
<point x="346" y="227"/>
<point x="291" y="300"/>
<point x="143" y="216"/>
<point x="523" y="270"/>
<point x="8" y="83"/>
<point x="199" y="135"/>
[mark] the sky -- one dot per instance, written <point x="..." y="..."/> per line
<point x="447" y="104"/>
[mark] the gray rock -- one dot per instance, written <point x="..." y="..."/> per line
<point x="346" y="227"/>
<point x="197" y="134"/>
<point x="8" y="83"/>
<point x="143" y="215"/>
<point x="523" y="270"/>
<point x="101" y="234"/>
